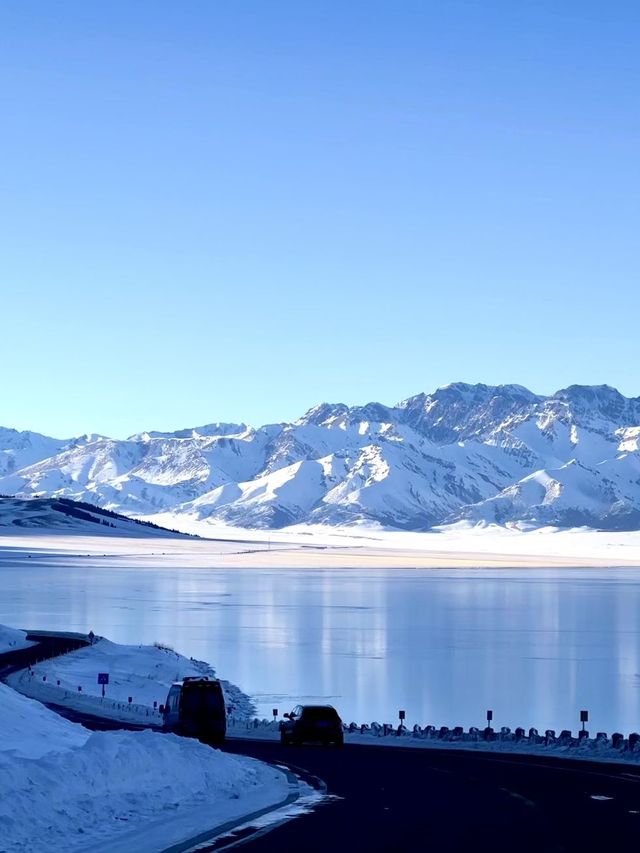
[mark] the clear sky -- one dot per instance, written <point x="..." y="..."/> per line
<point x="235" y="209"/>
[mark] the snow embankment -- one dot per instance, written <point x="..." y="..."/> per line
<point x="29" y="730"/>
<point x="64" y="788"/>
<point x="12" y="639"/>
<point x="142" y="674"/>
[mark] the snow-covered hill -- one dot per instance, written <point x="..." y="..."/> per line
<point x="71" y="516"/>
<point x="484" y="453"/>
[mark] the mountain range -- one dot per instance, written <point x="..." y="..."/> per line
<point x="480" y="453"/>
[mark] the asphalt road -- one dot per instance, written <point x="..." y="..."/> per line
<point x="45" y="647"/>
<point x="399" y="799"/>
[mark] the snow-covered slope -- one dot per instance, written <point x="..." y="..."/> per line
<point x="65" y="788"/>
<point x="478" y="452"/>
<point x="12" y="639"/>
<point x="20" y="449"/>
<point x="144" y="673"/>
<point x="30" y="730"/>
<point x="71" y="516"/>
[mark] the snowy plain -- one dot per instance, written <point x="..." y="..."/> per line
<point x="461" y="545"/>
<point x="449" y="546"/>
<point x="63" y="787"/>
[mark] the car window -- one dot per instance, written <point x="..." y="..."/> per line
<point x="172" y="698"/>
<point x="320" y="715"/>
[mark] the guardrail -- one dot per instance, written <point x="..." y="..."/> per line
<point x="35" y="685"/>
<point x="505" y="738"/>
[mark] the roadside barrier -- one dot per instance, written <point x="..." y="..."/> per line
<point x="504" y="739"/>
<point x="35" y="685"/>
<point x="505" y="735"/>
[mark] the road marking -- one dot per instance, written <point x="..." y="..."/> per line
<point x="254" y="828"/>
<point x="520" y="797"/>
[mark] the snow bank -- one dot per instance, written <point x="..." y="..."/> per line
<point x="12" y="639"/>
<point x="63" y="788"/>
<point x="143" y="673"/>
<point x="29" y="730"/>
<point x="121" y="781"/>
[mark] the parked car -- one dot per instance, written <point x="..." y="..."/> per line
<point x="195" y="708"/>
<point x="312" y="723"/>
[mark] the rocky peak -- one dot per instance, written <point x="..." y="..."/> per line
<point x="585" y="401"/>
<point x="460" y="411"/>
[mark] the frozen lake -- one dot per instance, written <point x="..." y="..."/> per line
<point x="535" y="645"/>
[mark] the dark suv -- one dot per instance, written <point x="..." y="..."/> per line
<point x="312" y="723"/>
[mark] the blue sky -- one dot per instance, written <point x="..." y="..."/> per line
<point x="235" y="210"/>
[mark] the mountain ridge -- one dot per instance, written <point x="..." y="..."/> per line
<point x="69" y="516"/>
<point x="481" y="453"/>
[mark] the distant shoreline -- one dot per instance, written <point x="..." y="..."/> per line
<point x="467" y="550"/>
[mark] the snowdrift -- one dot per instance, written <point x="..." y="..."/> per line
<point x="65" y="788"/>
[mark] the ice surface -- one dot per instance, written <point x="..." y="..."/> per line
<point x="360" y="627"/>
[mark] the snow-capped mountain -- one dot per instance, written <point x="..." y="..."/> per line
<point x="478" y="452"/>
<point x="19" y="449"/>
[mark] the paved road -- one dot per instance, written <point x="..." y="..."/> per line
<point x="45" y="646"/>
<point x="399" y="799"/>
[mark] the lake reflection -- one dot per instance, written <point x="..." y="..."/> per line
<point x="536" y="646"/>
